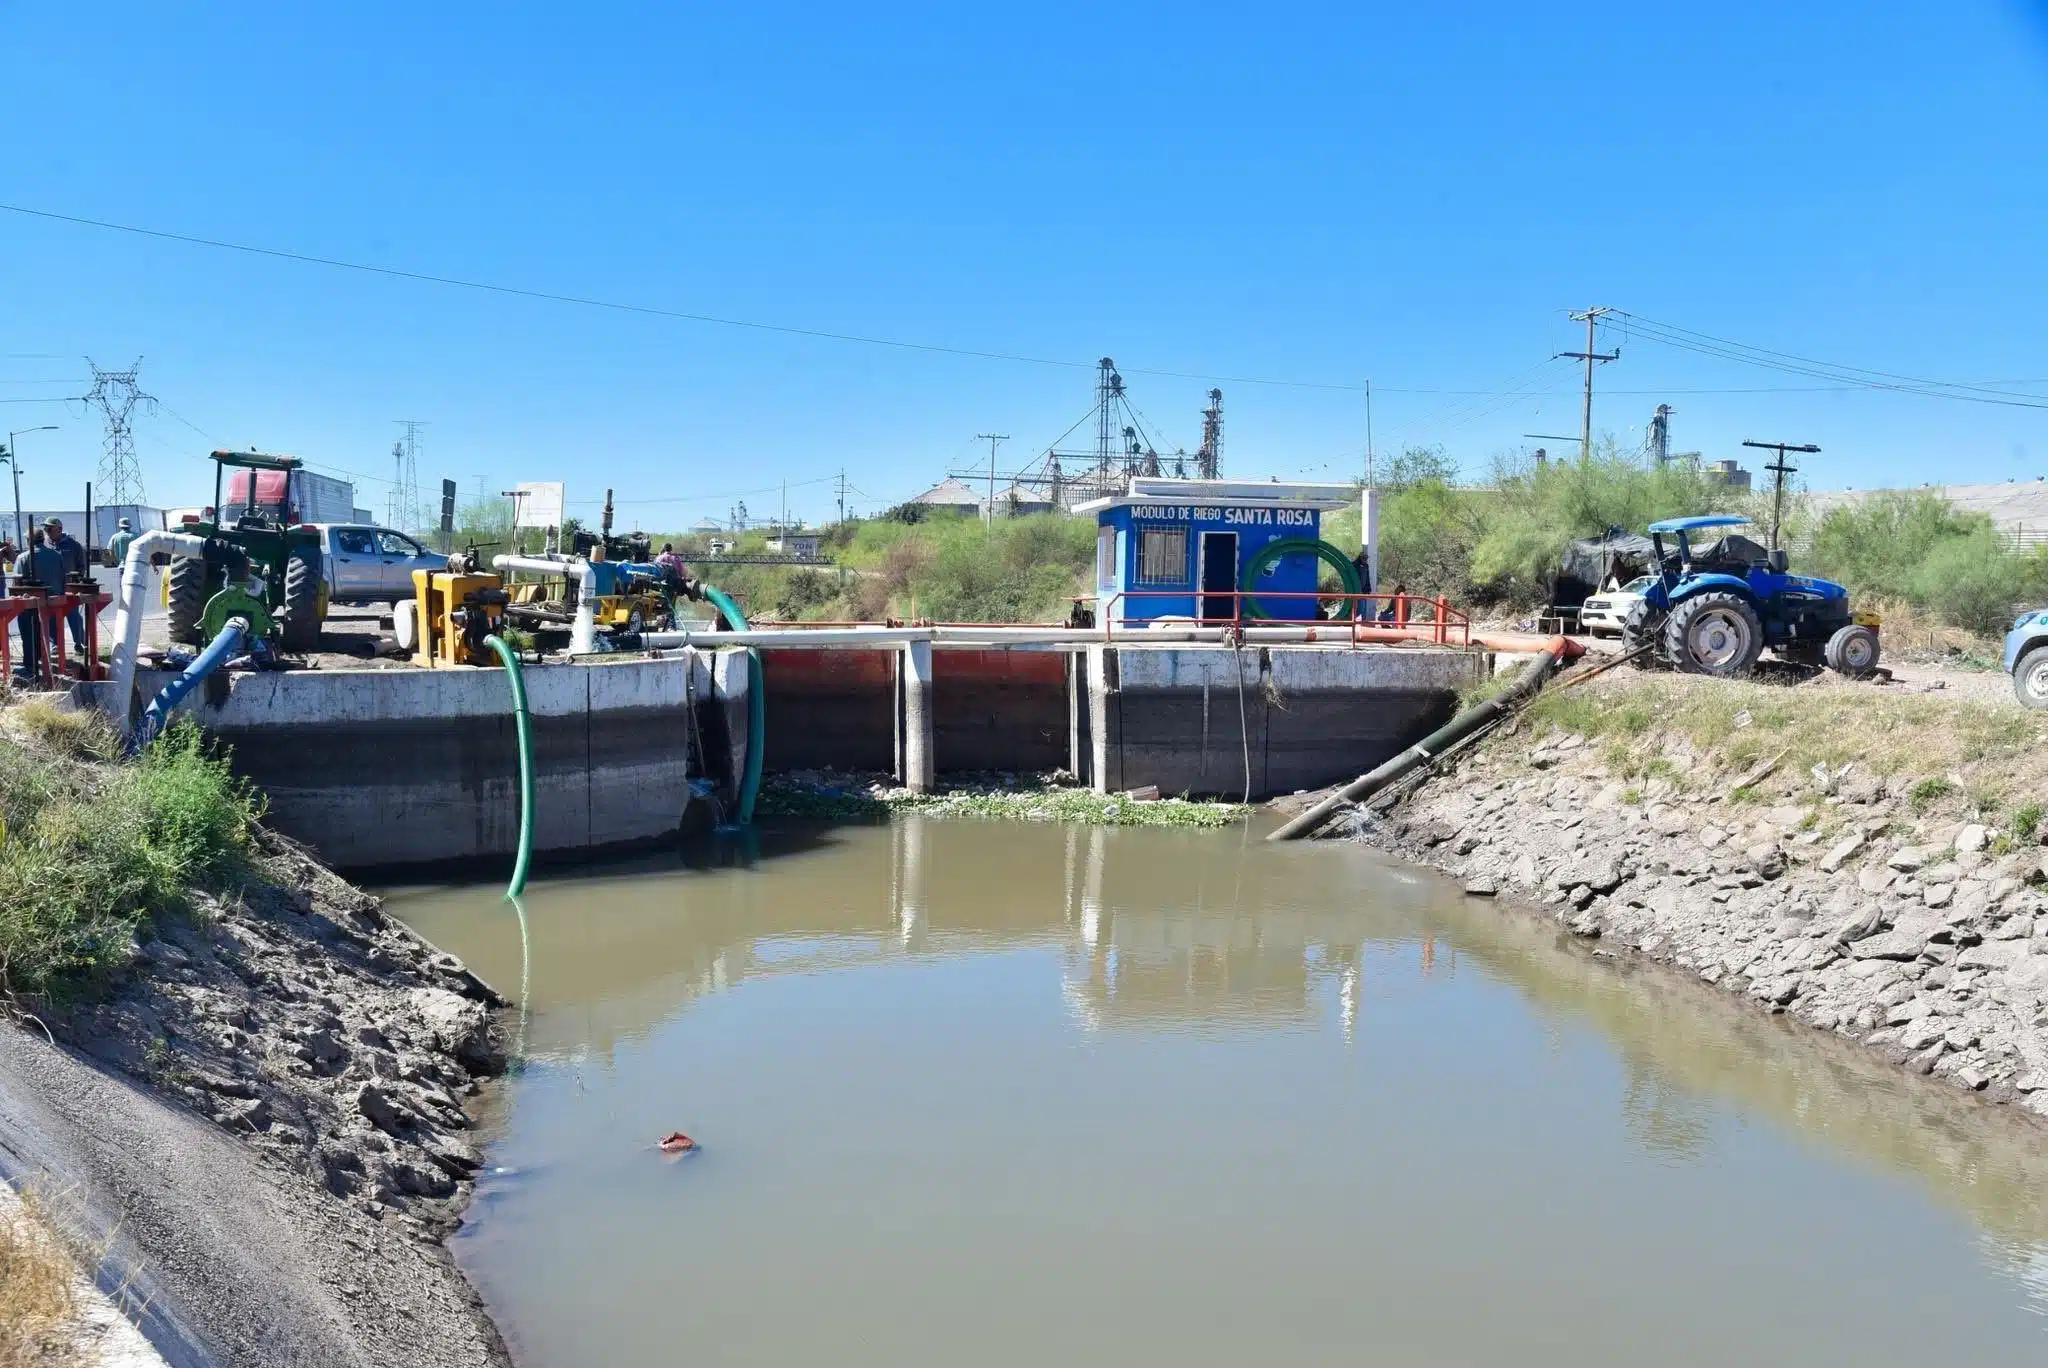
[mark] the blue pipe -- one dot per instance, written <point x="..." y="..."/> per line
<point x="217" y="651"/>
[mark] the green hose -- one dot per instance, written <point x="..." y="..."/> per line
<point x="510" y="659"/>
<point x="757" y="704"/>
<point x="1347" y="573"/>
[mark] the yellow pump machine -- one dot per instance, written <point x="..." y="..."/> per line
<point x="457" y="608"/>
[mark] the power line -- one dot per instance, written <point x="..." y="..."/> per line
<point x="1853" y="376"/>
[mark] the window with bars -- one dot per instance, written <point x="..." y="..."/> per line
<point x="1163" y="555"/>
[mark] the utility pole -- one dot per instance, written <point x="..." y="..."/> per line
<point x="842" y="493"/>
<point x="1368" y="432"/>
<point x="1589" y="317"/>
<point x="993" y="439"/>
<point x="1779" y="470"/>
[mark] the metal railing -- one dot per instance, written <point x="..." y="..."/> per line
<point x="1361" y="615"/>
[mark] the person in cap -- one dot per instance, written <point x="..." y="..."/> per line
<point x="117" y="545"/>
<point x="72" y="556"/>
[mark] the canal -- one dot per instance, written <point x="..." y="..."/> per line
<point x="1010" y="1094"/>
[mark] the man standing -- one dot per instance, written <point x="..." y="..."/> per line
<point x="42" y="565"/>
<point x="72" y="556"/>
<point x="117" y="545"/>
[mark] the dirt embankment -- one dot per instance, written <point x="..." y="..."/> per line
<point x="1869" y="863"/>
<point x="263" y="1123"/>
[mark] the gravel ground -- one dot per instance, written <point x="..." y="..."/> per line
<point x="1836" y="899"/>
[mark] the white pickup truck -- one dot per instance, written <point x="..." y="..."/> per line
<point x="369" y="564"/>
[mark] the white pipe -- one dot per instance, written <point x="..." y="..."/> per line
<point x="583" y="634"/>
<point x="120" y="699"/>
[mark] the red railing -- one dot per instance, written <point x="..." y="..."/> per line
<point x="1362" y="617"/>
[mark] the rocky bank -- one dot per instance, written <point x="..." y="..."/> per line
<point x="1894" y="898"/>
<point x="264" y="1122"/>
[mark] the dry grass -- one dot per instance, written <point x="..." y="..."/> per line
<point x="66" y="732"/>
<point x="1980" y="760"/>
<point x="38" y="1308"/>
<point x="1907" y="628"/>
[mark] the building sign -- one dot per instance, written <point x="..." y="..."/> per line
<point x="1261" y="516"/>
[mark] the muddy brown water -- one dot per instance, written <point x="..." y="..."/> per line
<point x="1001" y="1094"/>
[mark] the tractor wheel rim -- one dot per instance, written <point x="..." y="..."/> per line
<point x="1856" y="653"/>
<point x="1719" y="638"/>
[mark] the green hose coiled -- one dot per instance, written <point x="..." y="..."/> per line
<point x="1347" y="573"/>
<point x="510" y="659"/>
<point x="757" y="704"/>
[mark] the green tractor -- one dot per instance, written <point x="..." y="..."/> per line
<point x="255" y="512"/>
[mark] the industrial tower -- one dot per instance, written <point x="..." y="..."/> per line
<point x="1209" y="455"/>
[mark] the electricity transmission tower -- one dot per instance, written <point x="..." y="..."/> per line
<point x="404" y="509"/>
<point x="115" y="395"/>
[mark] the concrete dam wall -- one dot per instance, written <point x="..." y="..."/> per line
<point x="402" y="767"/>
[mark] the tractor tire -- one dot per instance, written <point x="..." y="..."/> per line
<point x="185" y="598"/>
<point x="1714" y="634"/>
<point x="1642" y="627"/>
<point x="1852" y="651"/>
<point x="298" y="618"/>
<point x="2030" y="678"/>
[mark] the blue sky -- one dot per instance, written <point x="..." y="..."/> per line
<point x="1309" y="193"/>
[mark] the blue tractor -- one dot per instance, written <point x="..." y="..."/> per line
<point x="1714" y="609"/>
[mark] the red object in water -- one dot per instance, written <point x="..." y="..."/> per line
<point x="675" y="1142"/>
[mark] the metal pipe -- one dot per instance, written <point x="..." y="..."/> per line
<point x="583" y="633"/>
<point x="120" y="697"/>
<point x="1429" y="747"/>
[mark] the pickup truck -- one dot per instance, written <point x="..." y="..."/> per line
<point x="2026" y="657"/>
<point x="368" y="564"/>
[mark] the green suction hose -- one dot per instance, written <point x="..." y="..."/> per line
<point x="510" y="659"/>
<point x="1347" y="573"/>
<point x="757" y="704"/>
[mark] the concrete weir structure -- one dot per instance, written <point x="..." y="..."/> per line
<point x="397" y="767"/>
<point x="404" y="767"/>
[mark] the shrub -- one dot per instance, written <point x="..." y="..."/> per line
<point x="89" y="856"/>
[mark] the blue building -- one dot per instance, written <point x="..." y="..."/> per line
<point x="1180" y="548"/>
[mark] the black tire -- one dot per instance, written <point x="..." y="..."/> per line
<point x="1714" y="634"/>
<point x="2030" y="678"/>
<point x="1642" y="627"/>
<point x="185" y="597"/>
<point x="1853" y="651"/>
<point x="298" y="618"/>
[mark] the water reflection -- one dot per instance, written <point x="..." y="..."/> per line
<point x="1220" y="934"/>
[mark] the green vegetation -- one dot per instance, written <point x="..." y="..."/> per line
<point x="1034" y="804"/>
<point x="1496" y="542"/>
<point x="945" y="567"/>
<point x="1915" y="547"/>
<point x="91" y="850"/>
<point x="1924" y="792"/>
